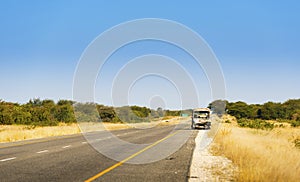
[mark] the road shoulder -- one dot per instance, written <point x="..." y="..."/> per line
<point x="207" y="167"/>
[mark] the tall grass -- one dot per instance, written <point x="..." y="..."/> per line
<point x="261" y="155"/>
<point x="10" y="133"/>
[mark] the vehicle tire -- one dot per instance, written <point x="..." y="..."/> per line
<point x="193" y="127"/>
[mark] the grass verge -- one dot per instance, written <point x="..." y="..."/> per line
<point x="11" y="133"/>
<point x="261" y="155"/>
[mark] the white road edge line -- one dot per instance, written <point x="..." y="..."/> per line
<point x="7" y="159"/>
<point x="42" y="151"/>
<point x="67" y="146"/>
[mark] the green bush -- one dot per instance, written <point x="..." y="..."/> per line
<point x="289" y="110"/>
<point x="295" y="123"/>
<point x="255" y="123"/>
<point x="227" y="121"/>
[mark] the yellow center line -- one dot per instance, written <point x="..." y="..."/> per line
<point x="128" y="158"/>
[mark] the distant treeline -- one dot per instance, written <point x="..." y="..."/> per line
<point x="48" y="113"/>
<point x="131" y="114"/>
<point x="288" y="111"/>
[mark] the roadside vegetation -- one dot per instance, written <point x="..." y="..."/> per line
<point x="48" y="113"/>
<point x="258" y="116"/>
<point x="262" y="140"/>
<point x="37" y="113"/>
<point x="260" y="154"/>
<point x="11" y="133"/>
<point x="45" y="118"/>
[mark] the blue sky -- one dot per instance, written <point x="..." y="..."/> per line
<point x="257" y="44"/>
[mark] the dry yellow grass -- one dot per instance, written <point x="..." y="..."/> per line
<point x="260" y="155"/>
<point x="172" y="121"/>
<point x="90" y="126"/>
<point x="10" y="133"/>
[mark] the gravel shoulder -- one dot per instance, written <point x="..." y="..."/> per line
<point x="207" y="167"/>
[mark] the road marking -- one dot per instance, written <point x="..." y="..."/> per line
<point x="7" y="159"/>
<point x="127" y="133"/>
<point x="84" y="142"/>
<point x="128" y="158"/>
<point x="99" y="139"/>
<point x="43" y="151"/>
<point x="39" y="140"/>
<point x="67" y="146"/>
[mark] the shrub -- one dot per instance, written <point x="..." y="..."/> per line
<point x="297" y="143"/>
<point x="295" y="123"/>
<point x="256" y="124"/>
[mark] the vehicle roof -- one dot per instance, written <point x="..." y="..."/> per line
<point x="202" y="109"/>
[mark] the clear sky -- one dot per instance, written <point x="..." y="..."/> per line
<point x="257" y="44"/>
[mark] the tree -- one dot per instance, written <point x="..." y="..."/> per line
<point x="65" y="111"/>
<point x="160" y="112"/>
<point x="292" y="107"/>
<point x="107" y="114"/>
<point x="65" y="102"/>
<point x="271" y="110"/>
<point x="238" y="109"/>
<point x="140" y="111"/>
<point x="6" y="111"/>
<point x="218" y="106"/>
<point x="86" y="112"/>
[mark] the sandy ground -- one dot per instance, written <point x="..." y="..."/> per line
<point x="207" y="167"/>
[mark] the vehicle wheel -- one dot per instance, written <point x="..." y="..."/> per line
<point x="193" y="127"/>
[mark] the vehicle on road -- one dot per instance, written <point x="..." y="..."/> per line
<point x="201" y="118"/>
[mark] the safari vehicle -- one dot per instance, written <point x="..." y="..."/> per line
<point x="201" y="118"/>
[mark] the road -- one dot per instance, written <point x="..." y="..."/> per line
<point x="74" y="158"/>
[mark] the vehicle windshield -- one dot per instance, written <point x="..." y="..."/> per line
<point x="201" y="114"/>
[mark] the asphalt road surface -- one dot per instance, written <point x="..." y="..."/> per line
<point x="74" y="158"/>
